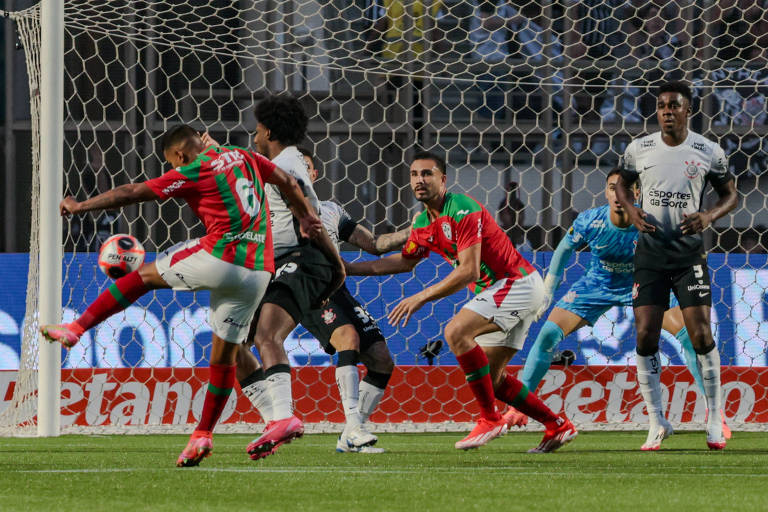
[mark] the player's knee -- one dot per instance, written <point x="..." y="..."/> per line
<point x="456" y="336"/>
<point x="345" y="338"/>
<point x="700" y="334"/>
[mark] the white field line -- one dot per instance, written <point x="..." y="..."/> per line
<point x="512" y="470"/>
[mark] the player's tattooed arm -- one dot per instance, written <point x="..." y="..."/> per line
<point x="119" y="196"/>
<point x="361" y="237"/>
<point x="728" y="199"/>
<point x="394" y="264"/>
<point x="626" y="196"/>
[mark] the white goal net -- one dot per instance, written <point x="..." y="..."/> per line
<point x="532" y="102"/>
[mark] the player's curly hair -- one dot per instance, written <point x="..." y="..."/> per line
<point x="284" y="117"/>
<point x="678" y="87"/>
<point x="429" y="155"/>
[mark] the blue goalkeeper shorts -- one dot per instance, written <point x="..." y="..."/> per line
<point x="589" y="302"/>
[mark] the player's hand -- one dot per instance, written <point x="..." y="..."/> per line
<point x="404" y="310"/>
<point x="208" y="140"/>
<point x="637" y="216"/>
<point x="311" y="226"/>
<point x="68" y="206"/>
<point x="695" y="222"/>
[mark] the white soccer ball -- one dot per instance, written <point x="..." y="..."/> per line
<point x="120" y="255"/>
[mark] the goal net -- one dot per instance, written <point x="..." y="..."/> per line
<point x="531" y="102"/>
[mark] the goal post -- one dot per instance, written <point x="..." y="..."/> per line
<point x="530" y="119"/>
<point x="52" y="182"/>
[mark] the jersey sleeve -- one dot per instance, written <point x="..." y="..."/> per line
<point x="176" y="182"/>
<point x="718" y="169"/>
<point x="469" y="230"/>
<point x="412" y="249"/>
<point x="264" y="166"/>
<point x="346" y="224"/>
<point x="577" y="233"/>
<point x="628" y="163"/>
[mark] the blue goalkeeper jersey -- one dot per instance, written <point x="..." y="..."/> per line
<point x="613" y="249"/>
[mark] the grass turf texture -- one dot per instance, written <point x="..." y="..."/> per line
<point x="598" y="471"/>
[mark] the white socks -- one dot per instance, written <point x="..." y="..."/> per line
<point x="279" y="386"/>
<point x="370" y="396"/>
<point x="348" y="380"/>
<point x="649" y="379"/>
<point x="258" y="394"/>
<point x="709" y="365"/>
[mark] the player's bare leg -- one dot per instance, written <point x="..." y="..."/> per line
<point x="221" y="383"/>
<point x="648" y="320"/>
<point x="697" y="322"/>
<point x="560" y="323"/>
<point x="347" y="344"/>
<point x="460" y="335"/>
<point x="675" y="324"/>
<point x="121" y="294"/>
<point x="273" y="327"/>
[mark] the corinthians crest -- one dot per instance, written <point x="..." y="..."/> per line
<point x="329" y="316"/>
<point x="447" y="230"/>
<point x="692" y="169"/>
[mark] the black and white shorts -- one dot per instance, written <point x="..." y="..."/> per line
<point x="302" y="276"/>
<point x="342" y="309"/>
<point x="690" y="282"/>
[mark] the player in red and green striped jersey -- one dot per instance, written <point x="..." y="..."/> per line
<point x="224" y="186"/>
<point x="490" y="328"/>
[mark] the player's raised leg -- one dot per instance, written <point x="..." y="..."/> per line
<point x="120" y="294"/>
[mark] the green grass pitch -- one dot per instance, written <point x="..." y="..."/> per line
<point x="420" y="472"/>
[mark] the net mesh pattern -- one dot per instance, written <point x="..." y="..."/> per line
<point x="531" y="102"/>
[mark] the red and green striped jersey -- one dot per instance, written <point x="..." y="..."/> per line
<point x="224" y="186"/>
<point x="462" y="223"/>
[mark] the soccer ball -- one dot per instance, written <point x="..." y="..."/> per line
<point x="120" y="255"/>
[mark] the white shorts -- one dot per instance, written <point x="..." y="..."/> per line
<point x="235" y="291"/>
<point x="510" y="305"/>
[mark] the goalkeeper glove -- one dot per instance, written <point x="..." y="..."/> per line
<point x="550" y="283"/>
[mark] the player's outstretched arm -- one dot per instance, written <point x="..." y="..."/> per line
<point x="560" y="259"/>
<point x="626" y="197"/>
<point x="467" y="271"/>
<point x="728" y="199"/>
<point x="119" y="196"/>
<point x="394" y="264"/>
<point x="361" y="237"/>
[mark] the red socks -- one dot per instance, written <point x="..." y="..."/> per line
<point x="514" y="393"/>
<point x="475" y="366"/>
<point x="123" y="292"/>
<point x="221" y="381"/>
